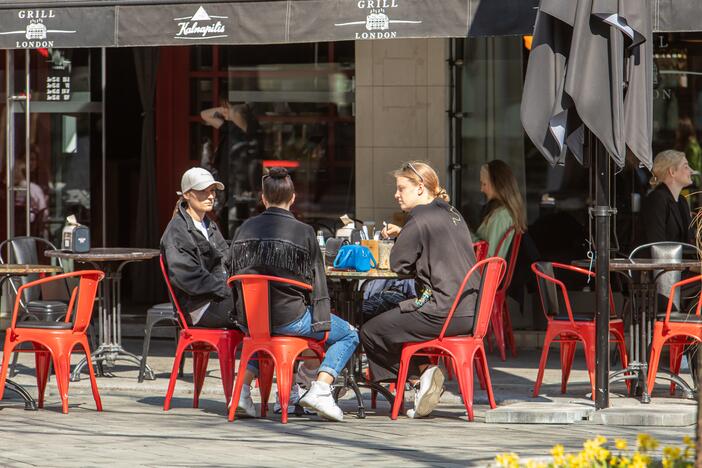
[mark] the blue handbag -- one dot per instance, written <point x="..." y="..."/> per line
<point x="355" y="257"/>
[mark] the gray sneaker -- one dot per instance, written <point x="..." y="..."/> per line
<point x="431" y="386"/>
<point x="295" y="393"/>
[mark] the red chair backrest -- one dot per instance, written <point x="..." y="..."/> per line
<point x="174" y="300"/>
<point x="481" y="250"/>
<point x="513" y="253"/>
<point x="549" y="286"/>
<point x="84" y="301"/>
<point x="256" y="301"/>
<point x="492" y="270"/>
<point x="671" y="297"/>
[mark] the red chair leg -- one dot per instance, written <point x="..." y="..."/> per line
<point x="91" y="371"/>
<point x="567" y="355"/>
<point x="400" y="386"/>
<point x="448" y="364"/>
<point x="676" y="350"/>
<point x="6" y="355"/>
<point x="226" y="354"/>
<point x="542" y="363"/>
<point x="509" y="332"/>
<point x="42" y="359"/>
<point x="62" y="369"/>
<point x="200" y="360"/>
<point x="482" y="359"/>
<point x="464" y="363"/>
<point x="479" y="373"/>
<point x="498" y="330"/>
<point x="284" y="370"/>
<point x="265" y="380"/>
<point x="590" y="352"/>
<point x="654" y="360"/>
<point x="182" y="344"/>
<point x="240" y="376"/>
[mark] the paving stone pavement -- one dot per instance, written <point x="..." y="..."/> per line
<point x="133" y="430"/>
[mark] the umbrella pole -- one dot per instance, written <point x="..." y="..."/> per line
<point x="602" y="214"/>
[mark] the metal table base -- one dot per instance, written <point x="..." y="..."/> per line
<point x="645" y="307"/>
<point x="29" y="403"/>
<point x="351" y="377"/>
<point x="110" y="349"/>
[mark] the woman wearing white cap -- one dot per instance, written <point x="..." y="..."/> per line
<point x="197" y="256"/>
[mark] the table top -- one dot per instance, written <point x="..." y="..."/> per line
<point x="642" y="264"/>
<point x="106" y="254"/>
<point x="27" y="269"/>
<point x="362" y="275"/>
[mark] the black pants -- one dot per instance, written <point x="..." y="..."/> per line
<point x="218" y="315"/>
<point x="384" y="335"/>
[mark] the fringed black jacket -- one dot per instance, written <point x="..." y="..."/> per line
<point x="275" y="243"/>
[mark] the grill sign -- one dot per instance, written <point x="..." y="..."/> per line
<point x="378" y="22"/>
<point x="36" y="32"/>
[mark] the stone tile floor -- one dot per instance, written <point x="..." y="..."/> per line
<point x="133" y="430"/>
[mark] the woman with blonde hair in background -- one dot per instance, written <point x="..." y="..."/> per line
<point x="665" y="214"/>
<point x="435" y="248"/>
<point x="504" y="208"/>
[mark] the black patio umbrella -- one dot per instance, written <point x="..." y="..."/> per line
<point x="588" y="93"/>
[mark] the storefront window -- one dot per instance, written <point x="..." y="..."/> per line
<point x="294" y="107"/>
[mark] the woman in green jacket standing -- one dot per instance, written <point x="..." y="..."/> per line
<point x="504" y="209"/>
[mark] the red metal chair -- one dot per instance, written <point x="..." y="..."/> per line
<point x="674" y="329"/>
<point x="201" y="342"/>
<point x="55" y="340"/>
<point x="481" y="250"/>
<point x="501" y="322"/>
<point x="569" y="329"/>
<point x="462" y="350"/>
<point x="280" y="352"/>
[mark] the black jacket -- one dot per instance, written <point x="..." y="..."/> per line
<point x="197" y="268"/>
<point x="436" y="248"/>
<point x="275" y="243"/>
<point x="664" y="219"/>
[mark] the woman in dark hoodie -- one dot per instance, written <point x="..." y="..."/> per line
<point x="197" y="256"/>
<point x="434" y="247"/>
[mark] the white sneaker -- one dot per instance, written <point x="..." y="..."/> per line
<point x="295" y="393"/>
<point x="431" y="386"/>
<point x="319" y="398"/>
<point x="246" y="407"/>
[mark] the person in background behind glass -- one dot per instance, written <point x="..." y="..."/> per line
<point x="237" y="152"/>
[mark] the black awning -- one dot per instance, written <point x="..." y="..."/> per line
<point x="110" y="23"/>
<point x="92" y="23"/>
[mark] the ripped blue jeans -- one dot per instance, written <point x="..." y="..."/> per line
<point x="340" y="344"/>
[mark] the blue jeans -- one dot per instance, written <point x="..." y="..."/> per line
<point x="341" y="342"/>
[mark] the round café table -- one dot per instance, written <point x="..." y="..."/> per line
<point x="348" y="297"/>
<point x="644" y="295"/>
<point x="7" y="271"/>
<point x="110" y="260"/>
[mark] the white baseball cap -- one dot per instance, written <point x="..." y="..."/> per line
<point x="198" y="178"/>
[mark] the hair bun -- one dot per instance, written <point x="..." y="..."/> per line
<point x="278" y="172"/>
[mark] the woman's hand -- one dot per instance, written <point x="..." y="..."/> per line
<point x="390" y="231"/>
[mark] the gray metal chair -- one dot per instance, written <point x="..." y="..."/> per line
<point x="48" y="304"/>
<point x="666" y="251"/>
<point x="159" y="313"/>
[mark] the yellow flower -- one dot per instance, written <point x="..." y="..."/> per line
<point x="640" y="461"/>
<point x="557" y="451"/>
<point x="507" y="460"/>
<point x="687" y="440"/>
<point x="672" y="453"/>
<point x="620" y="444"/>
<point x="645" y="442"/>
<point x="600" y="440"/>
<point x="625" y="462"/>
<point x="534" y="464"/>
